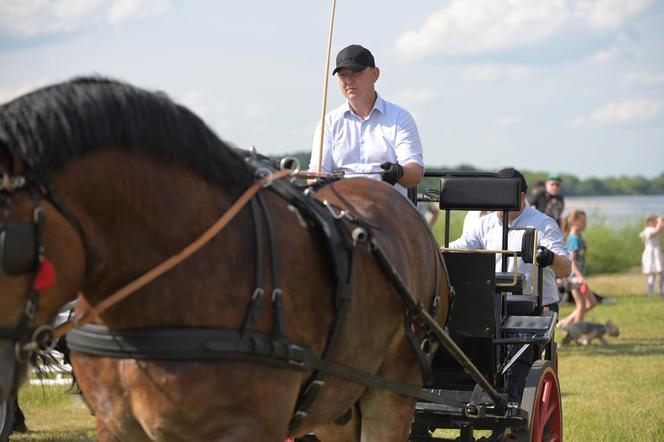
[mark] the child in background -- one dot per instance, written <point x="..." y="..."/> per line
<point x="574" y="225"/>
<point x="652" y="259"/>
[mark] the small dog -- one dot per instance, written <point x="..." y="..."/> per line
<point x="582" y="333"/>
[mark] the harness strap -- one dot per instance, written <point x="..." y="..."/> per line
<point x="257" y="296"/>
<point x="432" y="327"/>
<point x="342" y="254"/>
<point x="173" y="261"/>
<point x="197" y="345"/>
<point x="278" y="316"/>
<point x="423" y="358"/>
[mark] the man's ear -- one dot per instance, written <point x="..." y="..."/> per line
<point x="376" y="74"/>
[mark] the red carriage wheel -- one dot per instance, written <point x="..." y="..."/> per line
<point x="541" y="399"/>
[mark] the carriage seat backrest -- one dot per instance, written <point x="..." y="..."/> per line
<point x="472" y="275"/>
<point x="479" y="193"/>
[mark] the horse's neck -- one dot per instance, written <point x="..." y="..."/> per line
<point x="136" y="211"/>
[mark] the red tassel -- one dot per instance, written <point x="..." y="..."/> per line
<point x="45" y="275"/>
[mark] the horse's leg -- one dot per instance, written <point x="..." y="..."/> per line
<point x="341" y="430"/>
<point x="387" y="416"/>
<point x="223" y="402"/>
<point x="99" y="381"/>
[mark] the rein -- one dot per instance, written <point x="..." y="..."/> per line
<point x="156" y="272"/>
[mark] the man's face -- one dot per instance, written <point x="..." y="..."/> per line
<point x="553" y="187"/>
<point x="356" y="85"/>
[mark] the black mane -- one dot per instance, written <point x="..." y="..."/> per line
<point x="58" y="123"/>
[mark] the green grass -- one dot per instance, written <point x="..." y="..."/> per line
<point x="53" y="414"/>
<point x="616" y="392"/>
<point x="612" y="393"/>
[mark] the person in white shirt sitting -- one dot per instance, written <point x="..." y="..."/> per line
<point x="367" y="134"/>
<point x="487" y="233"/>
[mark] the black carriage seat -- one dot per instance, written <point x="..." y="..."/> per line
<point x="517" y="302"/>
<point x="490" y="193"/>
<point x="507" y="278"/>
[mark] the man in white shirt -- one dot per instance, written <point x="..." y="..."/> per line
<point x="368" y="135"/>
<point x="552" y="254"/>
<point x="487" y="233"/>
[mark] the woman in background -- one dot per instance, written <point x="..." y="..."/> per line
<point x="652" y="259"/>
<point x="574" y="225"/>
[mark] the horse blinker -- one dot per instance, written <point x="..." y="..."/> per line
<point x="18" y="248"/>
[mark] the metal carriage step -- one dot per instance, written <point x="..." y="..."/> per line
<point x="527" y="324"/>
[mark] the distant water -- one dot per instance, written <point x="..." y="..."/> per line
<point x="616" y="209"/>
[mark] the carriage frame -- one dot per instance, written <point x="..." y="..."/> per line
<point x="496" y="322"/>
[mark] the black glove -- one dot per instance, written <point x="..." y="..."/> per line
<point x="544" y="256"/>
<point x="393" y="172"/>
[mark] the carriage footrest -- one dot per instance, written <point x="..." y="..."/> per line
<point x="527" y="324"/>
<point x="454" y="401"/>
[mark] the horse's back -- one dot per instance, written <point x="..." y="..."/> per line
<point x="397" y="226"/>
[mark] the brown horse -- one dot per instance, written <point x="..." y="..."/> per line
<point x="126" y="179"/>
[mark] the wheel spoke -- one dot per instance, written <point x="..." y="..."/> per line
<point x="546" y="394"/>
<point x="548" y="412"/>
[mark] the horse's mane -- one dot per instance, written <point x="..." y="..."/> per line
<point x="61" y="122"/>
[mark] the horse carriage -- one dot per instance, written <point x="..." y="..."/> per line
<point x="294" y="311"/>
<point x="505" y="379"/>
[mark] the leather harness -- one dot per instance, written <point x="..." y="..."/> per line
<point x="206" y="344"/>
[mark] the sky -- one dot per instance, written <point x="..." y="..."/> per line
<point x="548" y="85"/>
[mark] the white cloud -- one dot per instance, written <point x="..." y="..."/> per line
<point x="8" y="94"/>
<point x="33" y="17"/>
<point x="469" y="27"/>
<point x="224" y="116"/>
<point x="214" y="112"/>
<point x="645" y="78"/>
<point x="610" y="14"/>
<point x="414" y="96"/>
<point x="481" y="26"/>
<point x="624" y="112"/>
<point x="622" y="46"/>
<point x="486" y="73"/>
<point x="123" y="9"/>
<point x="510" y="120"/>
<point x="607" y="55"/>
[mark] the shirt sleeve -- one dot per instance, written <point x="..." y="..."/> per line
<point x="328" y="163"/>
<point x="408" y="145"/>
<point x="471" y="239"/>
<point x="573" y="243"/>
<point x="552" y="238"/>
<point x="647" y="233"/>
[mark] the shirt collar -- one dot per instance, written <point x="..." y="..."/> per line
<point x="516" y="220"/>
<point x="379" y="105"/>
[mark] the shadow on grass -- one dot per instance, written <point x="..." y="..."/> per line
<point x="82" y="435"/>
<point x="635" y="347"/>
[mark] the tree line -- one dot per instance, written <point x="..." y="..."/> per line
<point x="572" y="185"/>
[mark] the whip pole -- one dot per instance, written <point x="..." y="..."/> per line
<point x="325" y="81"/>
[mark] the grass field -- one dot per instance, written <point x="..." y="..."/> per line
<point x="612" y="393"/>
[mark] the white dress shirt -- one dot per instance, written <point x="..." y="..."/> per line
<point x="354" y="145"/>
<point x="487" y="234"/>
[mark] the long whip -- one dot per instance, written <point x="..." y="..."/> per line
<point x="325" y="82"/>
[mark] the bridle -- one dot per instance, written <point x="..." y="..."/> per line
<point x="22" y="253"/>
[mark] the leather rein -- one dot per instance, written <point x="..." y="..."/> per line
<point x="89" y="314"/>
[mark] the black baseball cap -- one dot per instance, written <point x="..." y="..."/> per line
<point x="354" y="57"/>
<point x="510" y="172"/>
